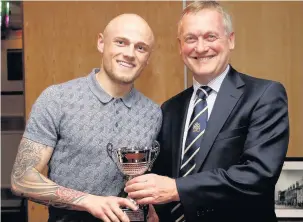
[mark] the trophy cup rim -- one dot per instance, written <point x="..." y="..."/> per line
<point x="134" y="149"/>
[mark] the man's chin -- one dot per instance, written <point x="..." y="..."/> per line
<point x="203" y="76"/>
<point x="125" y="81"/>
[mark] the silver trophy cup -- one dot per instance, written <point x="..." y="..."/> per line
<point x="132" y="162"/>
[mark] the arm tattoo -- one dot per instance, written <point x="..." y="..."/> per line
<point x="29" y="155"/>
<point x="28" y="182"/>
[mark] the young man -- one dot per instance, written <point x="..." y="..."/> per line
<point x="224" y="140"/>
<point x="71" y="124"/>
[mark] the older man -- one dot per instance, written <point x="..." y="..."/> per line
<point x="223" y="140"/>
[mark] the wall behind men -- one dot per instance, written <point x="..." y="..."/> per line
<point x="60" y="44"/>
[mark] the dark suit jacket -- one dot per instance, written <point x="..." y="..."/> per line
<point x="241" y="153"/>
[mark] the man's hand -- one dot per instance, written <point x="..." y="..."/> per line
<point x="152" y="189"/>
<point x="107" y="208"/>
<point x="152" y="215"/>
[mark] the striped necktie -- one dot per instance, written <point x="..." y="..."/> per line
<point x="195" y="133"/>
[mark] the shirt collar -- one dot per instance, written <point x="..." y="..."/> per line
<point x="215" y="83"/>
<point x="128" y="100"/>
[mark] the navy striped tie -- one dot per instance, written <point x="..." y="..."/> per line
<point x="195" y="133"/>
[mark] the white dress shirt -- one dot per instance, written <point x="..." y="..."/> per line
<point x="215" y="84"/>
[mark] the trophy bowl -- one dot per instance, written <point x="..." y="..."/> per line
<point x="132" y="162"/>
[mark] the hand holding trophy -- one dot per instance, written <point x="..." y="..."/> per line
<point x="132" y="162"/>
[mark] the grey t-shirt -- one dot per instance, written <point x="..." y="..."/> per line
<point x="78" y="119"/>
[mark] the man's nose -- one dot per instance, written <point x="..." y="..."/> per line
<point x="130" y="52"/>
<point x="201" y="46"/>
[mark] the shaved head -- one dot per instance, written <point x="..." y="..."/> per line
<point x="132" y="21"/>
<point x="126" y="45"/>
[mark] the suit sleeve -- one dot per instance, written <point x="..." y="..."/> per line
<point x="261" y="161"/>
<point x="161" y="167"/>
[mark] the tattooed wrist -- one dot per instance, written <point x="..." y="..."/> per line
<point x="61" y="198"/>
<point x="27" y="180"/>
<point x="69" y="195"/>
<point x="50" y="203"/>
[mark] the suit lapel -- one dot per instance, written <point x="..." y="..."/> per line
<point x="229" y="94"/>
<point x="178" y="125"/>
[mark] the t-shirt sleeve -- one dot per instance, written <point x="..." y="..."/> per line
<point x="43" y="123"/>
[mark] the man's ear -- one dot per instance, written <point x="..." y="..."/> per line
<point x="179" y="44"/>
<point x="231" y="40"/>
<point x="100" y="43"/>
<point x="149" y="56"/>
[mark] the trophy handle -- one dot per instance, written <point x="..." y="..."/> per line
<point x="156" y="150"/>
<point x="110" y="150"/>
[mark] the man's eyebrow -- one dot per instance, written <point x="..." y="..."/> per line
<point x="204" y="33"/>
<point x="142" y="43"/>
<point x="211" y="32"/>
<point x="185" y="36"/>
<point x="121" y="38"/>
<point x="188" y="34"/>
<point x="137" y="43"/>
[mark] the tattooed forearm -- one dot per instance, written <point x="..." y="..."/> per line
<point x="29" y="182"/>
<point x="29" y="155"/>
<point x="61" y="197"/>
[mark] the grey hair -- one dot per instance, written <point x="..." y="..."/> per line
<point x="197" y="6"/>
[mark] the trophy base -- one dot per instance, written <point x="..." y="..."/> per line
<point x="139" y="215"/>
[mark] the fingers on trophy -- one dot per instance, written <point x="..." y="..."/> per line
<point x="132" y="162"/>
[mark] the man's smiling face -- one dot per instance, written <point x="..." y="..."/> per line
<point x="204" y="44"/>
<point x="126" y="46"/>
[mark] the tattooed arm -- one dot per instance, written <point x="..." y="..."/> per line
<point x="27" y="180"/>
